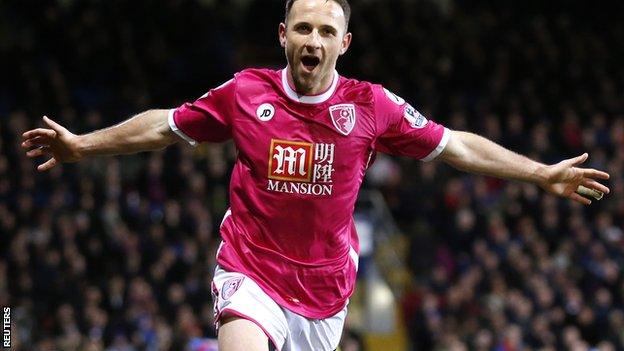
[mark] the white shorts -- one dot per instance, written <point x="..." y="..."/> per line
<point x="236" y="294"/>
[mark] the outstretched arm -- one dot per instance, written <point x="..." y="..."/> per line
<point x="472" y="153"/>
<point x="146" y="131"/>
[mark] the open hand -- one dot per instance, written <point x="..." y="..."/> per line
<point x="57" y="142"/>
<point x="564" y="178"/>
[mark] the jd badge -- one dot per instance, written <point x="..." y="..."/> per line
<point x="265" y="112"/>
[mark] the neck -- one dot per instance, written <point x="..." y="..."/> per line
<point x="314" y="88"/>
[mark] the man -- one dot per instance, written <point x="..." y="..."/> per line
<point x="306" y="136"/>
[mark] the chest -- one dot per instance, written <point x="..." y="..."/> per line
<point x="287" y="141"/>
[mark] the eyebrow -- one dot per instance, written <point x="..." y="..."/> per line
<point x="324" y="26"/>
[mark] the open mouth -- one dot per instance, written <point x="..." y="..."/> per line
<point x="310" y="62"/>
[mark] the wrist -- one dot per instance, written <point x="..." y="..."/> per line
<point x="539" y="175"/>
<point x="81" y="146"/>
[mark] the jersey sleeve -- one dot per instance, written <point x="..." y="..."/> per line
<point x="208" y="118"/>
<point x="403" y="131"/>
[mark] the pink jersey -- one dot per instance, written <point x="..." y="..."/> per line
<point x="300" y="164"/>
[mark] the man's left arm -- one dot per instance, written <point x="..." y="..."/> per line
<point x="473" y="153"/>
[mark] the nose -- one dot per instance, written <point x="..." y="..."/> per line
<point x="314" y="41"/>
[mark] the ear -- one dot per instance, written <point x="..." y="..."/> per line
<point x="281" y="32"/>
<point x="346" y="41"/>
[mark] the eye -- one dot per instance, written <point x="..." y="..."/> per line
<point x="303" y="28"/>
<point x="328" y="31"/>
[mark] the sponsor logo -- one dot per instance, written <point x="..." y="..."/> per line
<point x="415" y="119"/>
<point x="290" y="160"/>
<point x="265" y="112"/>
<point x="297" y="167"/>
<point x="343" y="117"/>
<point x="394" y="98"/>
<point x="300" y="188"/>
<point x="231" y="286"/>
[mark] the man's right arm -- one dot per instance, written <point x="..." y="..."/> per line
<point x="146" y="131"/>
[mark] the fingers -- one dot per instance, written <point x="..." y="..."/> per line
<point x="47" y="165"/>
<point x="592" y="184"/>
<point x="589" y="193"/>
<point x="55" y="126"/>
<point x="36" y="141"/>
<point x="578" y="198"/>
<point x="39" y="132"/>
<point x="594" y="173"/>
<point x="40" y="151"/>
<point x="42" y="138"/>
<point x="578" y="159"/>
<point x="54" y="129"/>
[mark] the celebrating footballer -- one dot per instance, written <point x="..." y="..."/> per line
<point x="305" y="137"/>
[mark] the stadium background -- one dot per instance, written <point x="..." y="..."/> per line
<point x="117" y="253"/>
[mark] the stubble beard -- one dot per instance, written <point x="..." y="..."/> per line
<point x="305" y="84"/>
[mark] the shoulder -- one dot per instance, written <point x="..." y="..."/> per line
<point x="256" y="80"/>
<point x="257" y="75"/>
<point x="355" y="90"/>
<point x="364" y="91"/>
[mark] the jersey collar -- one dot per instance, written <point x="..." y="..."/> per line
<point x="308" y="99"/>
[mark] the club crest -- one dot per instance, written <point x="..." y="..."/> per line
<point x="231" y="286"/>
<point x="343" y="117"/>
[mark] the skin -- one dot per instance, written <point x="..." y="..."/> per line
<point x="238" y="334"/>
<point x="144" y="132"/>
<point x="313" y="28"/>
<point x="475" y="154"/>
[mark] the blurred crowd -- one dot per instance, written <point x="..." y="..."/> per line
<point x="117" y="253"/>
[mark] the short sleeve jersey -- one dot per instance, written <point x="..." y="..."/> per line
<point x="300" y="163"/>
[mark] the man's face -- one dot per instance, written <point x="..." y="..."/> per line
<point x="313" y="39"/>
